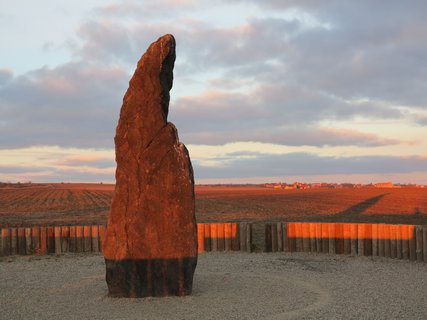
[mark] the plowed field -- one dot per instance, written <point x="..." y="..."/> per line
<point x="54" y="204"/>
<point x="60" y="204"/>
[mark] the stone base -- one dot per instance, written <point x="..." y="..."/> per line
<point x="150" y="277"/>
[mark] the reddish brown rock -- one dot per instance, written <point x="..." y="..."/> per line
<point x="150" y="248"/>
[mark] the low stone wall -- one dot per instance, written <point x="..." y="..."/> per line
<point x="383" y="240"/>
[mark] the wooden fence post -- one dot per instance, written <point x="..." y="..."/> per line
<point x="305" y="235"/>
<point x="381" y="242"/>
<point x="312" y="235"/>
<point x="43" y="240"/>
<point x="285" y="237"/>
<point x="319" y="241"/>
<point x="347" y="238"/>
<point x="387" y="241"/>
<point x="368" y="239"/>
<point x="325" y="238"/>
<point x="29" y="248"/>
<point x="95" y="237"/>
<point x="339" y="238"/>
<point x="13" y="241"/>
<point x="5" y="241"/>
<point x="87" y="242"/>
<point x="279" y="229"/>
<point x="58" y="246"/>
<point x="72" y="239"/>
<point x="273" y="228"/>
<point x="208" y="239"/>
<point x="398" y="242"/>
<point x="361" y="239"/>
<point x="35" y="239"/>
<point x="405" y="242"/>
<point x="102" y="230"/>
<point x="1" y="242"/>
<point x="51" y="239"/>
<point x="65" y="239"/>
<point x="214" y="236"/>
<point x="268" y="238"/>
<point x="200" y="238"/>
<point x="267" y="245"/>
<point x="299" y="247"/>
<point x="393" y="241"/>
<point x="375" y="240"/>
<point x="425" y="243"/>
<point x="292" y="242"/>
<point x="235" y="241"/>
<point x="249" y="237"/>
<point x="79" y="239"/>
<point x="21" y="241"/>
<point x="419" y="242"/>
<point x="227" y="236"/>
<point x="242" y="230"/>
<point x="221" y="233"/>
<point x="412" y="243"/>
<point x="331" y="238"/>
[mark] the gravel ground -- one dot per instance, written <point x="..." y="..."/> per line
<point x="226" y="286"/>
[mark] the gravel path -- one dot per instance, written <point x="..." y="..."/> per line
<point x="226" y="286"/>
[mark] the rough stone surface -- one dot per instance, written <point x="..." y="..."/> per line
<point x="151" y="246"/>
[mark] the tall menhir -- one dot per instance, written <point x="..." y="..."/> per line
<point x="150" y="247"/>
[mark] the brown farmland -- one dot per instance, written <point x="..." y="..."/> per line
<point x="62" y="204"/>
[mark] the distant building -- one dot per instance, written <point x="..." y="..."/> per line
<point x="384" y="185"/>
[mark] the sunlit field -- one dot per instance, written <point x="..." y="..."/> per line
<point x="61" y="204"/>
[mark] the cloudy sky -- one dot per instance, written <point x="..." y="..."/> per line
<point x="270" y="90"/>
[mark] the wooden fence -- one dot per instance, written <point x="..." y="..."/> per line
<point x="378" y="240"/>
<point x="45" y="240"/>
<point x="383" y="240"/>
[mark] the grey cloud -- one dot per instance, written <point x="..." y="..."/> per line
<point x="381" y="58"/>
<point x="114" y="43"/>
<point x="309" y="136"/>
<point x="228" y="47"/>
<point x="263" y="165"/>
<point x="104" y="41"/>
<point x="370" y="51"/>
<point x="373" y="50"/>
<point x="386" y="72"/>
<point x="273" y="114"/>
<point x="283" y="5"/>
<point x="298" y="76"/>
<point x="332" y="8"/>
<point x="279" y="104"/>
<point x="75" y="104"/>
<point x="149" y="9"/>
<point x="255" y="42"/>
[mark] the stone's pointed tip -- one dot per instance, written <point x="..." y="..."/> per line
<point x="167" y="39"/>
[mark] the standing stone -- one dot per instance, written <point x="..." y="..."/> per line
<point x="150" y="248"/>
